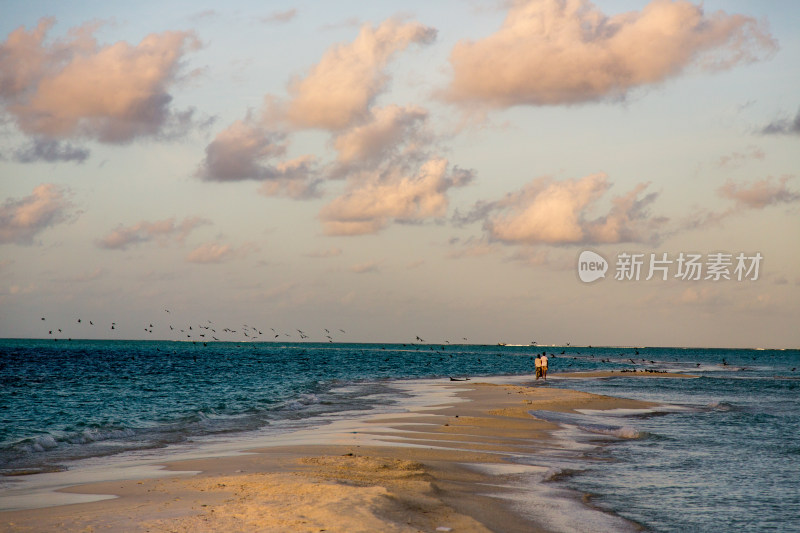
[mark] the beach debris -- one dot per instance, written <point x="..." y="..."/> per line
<point x="444" y="528"/>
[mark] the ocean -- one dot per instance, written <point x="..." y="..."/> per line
<point x="720" y="453"/>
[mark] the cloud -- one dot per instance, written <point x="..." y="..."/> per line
<point x="50" y="151"/>
<point x="381" y="135"/>
<point x="295" y="178"/>
<point x="340" y="89"/>
<point x="537" y="256"/>
<point x="559" y="212"/>
<point x="628" y="220"/>
<point x="374" y="145"/>
<point x="557" y="52"/>
<point x="755" y="195"/>
<point x="212" y="253"/>
<point x="759" y="194"/>
<point x="280" y="17"/>
<point x="243" y="150"/>
<point x="18" y="290"/>
<point x="783" y="126"/>
<point x="471" y="248"/>
<point x="76" y="88"/>
<point x="736" y="159"/>
<point x="235" y="153"/>
<point x="392" y="173"/>
<point x="21" y="220"/>
<point x="366" y="268"/>
<point x="385" y="152"/>
<point x="381" y="198"/>
<point x="163" y="230"/>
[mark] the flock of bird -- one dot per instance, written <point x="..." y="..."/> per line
<point x="210" y="332"/>
<point x="207" y="332"/>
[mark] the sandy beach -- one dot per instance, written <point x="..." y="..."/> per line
<point x="450" y="467"/>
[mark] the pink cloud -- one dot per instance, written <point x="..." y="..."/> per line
<point x="122" y="237"/>
<point x="295" y="178"/>
<point x="248" y="151"/>
<point x="555" y="52"/>
<point x="21" y="220"/>
<point x="472" y="248"/>
<point x="210" y="253"/>
<point x="75" y="87"/>
<point x="759" y="194"/>
<point x="385" y="153"/>
<point x="236" y="152"/>
<point x="385" y="131"/>
<point x="381" y="198"/>
<point x="366" y="268"/>
<point x="628" y="220"/>
<point x="340" y="89"/>
<point x="560" y="212"/>
<point x="736" y="159"/>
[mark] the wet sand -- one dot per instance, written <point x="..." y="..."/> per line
<point x="450" y="467"/>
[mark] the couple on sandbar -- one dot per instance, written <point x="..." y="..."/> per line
<point x="541" y="366"/>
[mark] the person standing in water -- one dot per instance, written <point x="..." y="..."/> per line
<point x="543" y="359"/>
<point x="538" y="365"/>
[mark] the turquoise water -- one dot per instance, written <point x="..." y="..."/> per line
<point x="722" y="455"/>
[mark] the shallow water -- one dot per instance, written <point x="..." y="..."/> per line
<point x="722" y="456"/>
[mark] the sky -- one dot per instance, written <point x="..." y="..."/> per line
<point x="445" y="171"/>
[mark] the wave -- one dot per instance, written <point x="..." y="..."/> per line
<point x="589" y="424"/>
<point x="42" y="452"/>
<point x="622" y="432"/>
<point x="560" y="474"/>
<point x="302" y="402"/>
<point x="721" y="406"/>
<point x="46" y="442"/>
<point x="47" y="451"/>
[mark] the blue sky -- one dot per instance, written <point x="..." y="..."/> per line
<point x="399" y="170"/>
